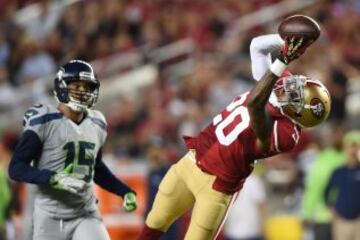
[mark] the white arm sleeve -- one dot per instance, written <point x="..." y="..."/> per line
<point x="260" y="49"/>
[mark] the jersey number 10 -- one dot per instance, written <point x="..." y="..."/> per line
<point x="236" y="109"/>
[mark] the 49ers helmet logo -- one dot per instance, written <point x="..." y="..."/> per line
<point x="317" y="107"/>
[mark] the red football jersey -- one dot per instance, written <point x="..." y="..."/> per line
<point x="227" y="147"/>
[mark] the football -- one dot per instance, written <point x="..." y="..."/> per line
<point x="299" y="26"/>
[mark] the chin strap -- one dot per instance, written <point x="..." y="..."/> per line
<point x="77" y="107"/>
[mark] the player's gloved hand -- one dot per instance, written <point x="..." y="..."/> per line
<point x="129" y="204"/>
<point x="293" y="48"/>
<point x="68" y="181"/>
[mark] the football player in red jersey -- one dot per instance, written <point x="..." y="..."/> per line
<point x="260" y="123"/>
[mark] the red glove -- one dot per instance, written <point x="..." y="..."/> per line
<point x="293" y="48"/>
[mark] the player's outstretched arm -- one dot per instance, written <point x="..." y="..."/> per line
<point x="28" y="149"/>
<point x="260" y="121"/>
<point x="108" y="181"/>
<point x="261" y="49"/>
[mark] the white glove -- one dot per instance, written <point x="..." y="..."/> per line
<point x="68" y="181"/>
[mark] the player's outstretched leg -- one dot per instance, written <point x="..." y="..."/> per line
<point x="209" y="214"/>
<point x="171" y="201"/>
<point x="91" y="228"/>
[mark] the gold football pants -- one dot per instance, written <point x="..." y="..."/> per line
<point x="183" y="187"/>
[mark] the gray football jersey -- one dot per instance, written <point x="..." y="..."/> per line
<point x="65" y="142"/>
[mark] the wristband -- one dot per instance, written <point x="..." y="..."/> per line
<point x="277" y="67"/>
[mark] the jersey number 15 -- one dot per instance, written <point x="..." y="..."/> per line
<point x="76" y="154"/>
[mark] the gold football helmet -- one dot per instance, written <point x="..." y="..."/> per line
<point x="305" y="100"/>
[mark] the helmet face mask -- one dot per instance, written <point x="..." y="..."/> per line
<point x="293" y="89"/>
<point x="76" y="85"/>
<point x="305" y="100"/>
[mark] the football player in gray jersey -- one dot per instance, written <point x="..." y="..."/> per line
<point x="60" y="151"/>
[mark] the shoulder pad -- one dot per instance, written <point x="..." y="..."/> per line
<point x="98" y="118"/>
<point x="39" y="114"/>
<point x="35" y="110"/>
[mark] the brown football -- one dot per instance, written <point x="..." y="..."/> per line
<point x="299" y="26"/>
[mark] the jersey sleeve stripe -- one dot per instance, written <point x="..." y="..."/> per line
<point x="297" y="135"/>
<point x="276" y="136"/>
<point x="45" y="118"/>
